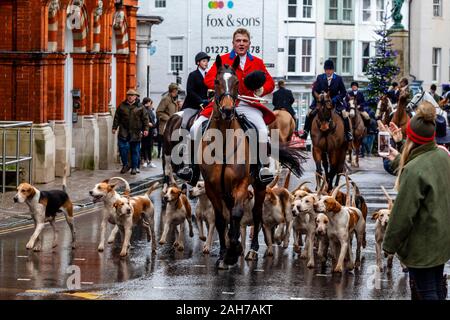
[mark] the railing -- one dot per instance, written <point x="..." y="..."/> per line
<point x="6" y="128"/>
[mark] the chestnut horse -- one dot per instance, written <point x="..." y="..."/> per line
<point x="285" y="123"/>
<point x="359" y="131"/>
<point x="329" y="144"/>
<point x="400" y="117"/>
<point x="226" y="178"/>
<point x="384" y="110"/>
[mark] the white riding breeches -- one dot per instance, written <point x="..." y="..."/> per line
<point x="252" y="114"/>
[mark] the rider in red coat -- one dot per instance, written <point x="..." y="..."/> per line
<point x="254" y="80"/>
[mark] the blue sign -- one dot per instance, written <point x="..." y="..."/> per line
<point x="152" y="50"/>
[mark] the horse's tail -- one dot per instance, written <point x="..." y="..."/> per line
<point x="292" y="156"/>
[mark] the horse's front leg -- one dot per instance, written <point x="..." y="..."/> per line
<point x="257" y="223"/>
<point x="220" y="227"/>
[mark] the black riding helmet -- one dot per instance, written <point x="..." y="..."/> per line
<point x="200" y="56"/>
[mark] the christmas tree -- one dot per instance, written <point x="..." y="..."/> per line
<point x="382" y="68"/>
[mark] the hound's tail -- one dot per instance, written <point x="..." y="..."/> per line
<point x="152" y="188"/>
<point x="64" y="180"/>
<point x="127" y="190"/>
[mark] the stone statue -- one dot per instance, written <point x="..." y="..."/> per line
<point x="99" y="9"/>
<point x="396" y="14"/>
<point x="119" y="19"/>
<point x="53" y="8"/>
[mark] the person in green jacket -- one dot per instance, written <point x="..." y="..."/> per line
<point x="419" y="226"/>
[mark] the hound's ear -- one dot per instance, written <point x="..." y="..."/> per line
<point x="375" y="215"/>
<point x="218" y="62"/>
<point x="112" y="186"/>
<point x="236" y="62"/>
<point x="116" y="204"/>
<point x="184" y="189"/>
<point x="250" y="195"/>
<point x="105" y="181"/>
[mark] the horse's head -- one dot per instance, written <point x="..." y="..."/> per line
<point x="226" y="88"/>
<point x="325" y="110"/>
<point x="352" y="104"/>
<point x="384" y="107"/>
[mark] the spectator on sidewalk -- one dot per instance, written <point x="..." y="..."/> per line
<point x="132" y="121"/>
<point x="167" y="107"/>
<point x="419" y="229"/>
<point x="372" y="131"/>
<point x="147" y="142"/>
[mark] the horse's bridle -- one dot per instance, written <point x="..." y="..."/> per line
<point x="219" y="98"/>
<point x="413" y="105"/>
<point x="323" y="103"/>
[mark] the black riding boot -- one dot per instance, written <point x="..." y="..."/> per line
<point x="348" y="131"/>
<point x="191" y="172"/>
<point x="308" y="123"/>
<point x="261" y="171"/>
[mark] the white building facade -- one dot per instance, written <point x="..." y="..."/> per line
<point x="294" y="37"/>
<point x="429" y="42"/>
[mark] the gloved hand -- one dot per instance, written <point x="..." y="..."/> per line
<point x="259" y="92"/>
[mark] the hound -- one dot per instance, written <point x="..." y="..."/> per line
<point x="178" y="210"/>
<point x="44" y="205"/>
<point x="131" y="211"/>
<point x="105" y="191"/>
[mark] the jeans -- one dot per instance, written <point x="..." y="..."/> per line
<point x="368" y="144"/>
<point x="147" y="147"/>
<point x="125" y="147"/>
<point x="428" y="283"/>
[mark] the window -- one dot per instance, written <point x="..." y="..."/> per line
<point x="292" y="55"/>
<point x="340" y="11"/>
<point x="380" y="10"/>
<point x="437" y="8"/>
<point x="333" y="52"/>
<point x="436" y="63"/>
<point x="300" y="9"/>
<point x="176" y="63"/>
<point x="307" y="9"/>
<point x="365" y="56"/>
<point x="176" y="54"/>
<point x="341" y="53"/>
<point x="334" y="10"/>
<point x="300" y="56"/>
<point x="292" y="9"/>
<point x="347" y="11"/>
<point x="306" y="55"/>
<point x="160" y="3"/>
<point x="366" y="8"/>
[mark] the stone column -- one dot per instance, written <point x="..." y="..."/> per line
<point x="43" y="153"/>
<point x="106" y="141"/>
<point x="400" y="44"/>
<point x="63" y="144"/>
<point x="86" y="143"/>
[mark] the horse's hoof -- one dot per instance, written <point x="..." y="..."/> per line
<point x="220" y="264"/>
<point x="405" y="270"/>
<point x="251" y="256"/>
<point x="205" y="250"/>
<point x="231" y="260"/>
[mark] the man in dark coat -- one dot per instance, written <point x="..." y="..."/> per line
<point x="333" y="84"/>
<point x="283" y="99"/>
<point x="358" y="95"/>
<point x="132" y="120"/>
<point x="394" y="93"/>
<point x="196" y="90"/>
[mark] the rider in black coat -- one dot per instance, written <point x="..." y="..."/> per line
<point x="283" y="99"/>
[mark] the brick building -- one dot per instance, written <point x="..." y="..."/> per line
<point x="65" y="65"/>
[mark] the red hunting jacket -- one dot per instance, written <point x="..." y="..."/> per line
<point x="252" y="64"/>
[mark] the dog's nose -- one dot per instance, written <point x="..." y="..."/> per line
<point x="298" y="208"/>
<point x="91" y="193"/>
<point x="16" y="199"/>
<point x="128" y="211"/>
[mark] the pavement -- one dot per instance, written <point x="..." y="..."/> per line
<point x="16" y="215"/>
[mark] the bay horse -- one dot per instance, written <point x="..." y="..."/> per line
<point x="358" y="130"/>
<point x="400" y="117"/>
<point x="227" y="180"/>
<point x="384" y="110"/>
<point x="329" y="144"/>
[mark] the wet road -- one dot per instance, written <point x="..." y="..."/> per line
<point x="170" y="274"/>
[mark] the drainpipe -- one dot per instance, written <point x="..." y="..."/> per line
<point x="409" y="42"/>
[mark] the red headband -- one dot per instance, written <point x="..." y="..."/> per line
<point x="417" y="138"/>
